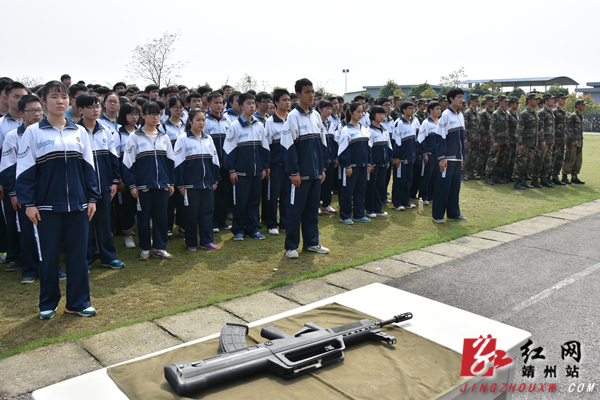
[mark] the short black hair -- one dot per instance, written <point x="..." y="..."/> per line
<point x="122" y="93"/>
<point x="405" y="104"/>
<point x="452" y="93"/>
<point x="340" y="100"/>
<point x="173" y="101"/>
<point x="160" y="103"/>
<point x="134" y="88"/>
<point x="300" y="83"/>
<point x="78" y="87"/>
<point x="252" y="92"/>
<point x="140" y="101"/>
<point x="232" y="96"/>
<point x="53" y="86"/>
<point x="87" y="99"/>
<point x="126" y="108"/>
<point x="204" y="89"/>
<point x="150" y="88"/>
<point x="226" y="87"/>
<point x="192" y="95"/>
<point x="293" y="96"/>
<point x="65" y="76"/>
<point x="245" y="96"/>
<point x="170" y="89"/>
<point x="3" y="82"/>
<point x="103" y="91"/>
<point x="181" y="87"/>
<point x="278" y="93"/>
<point x="220" y="91"/>
<point x="432" y="105"/>
<point x="129" y="90"/>
<point x="213" y="95"/>
<point x="382" y="100"/>
<point x="263" y="96"/>
<point x="23" y="101"/>
<point x="151" y="107"/>
<point x="14" y="85"/>
<point x="119" y="84"/>
<point x="377" y="109"/>
<point x="81" y="82"/>
<point x="359" y="98"/>
<point x="324" y="103"/>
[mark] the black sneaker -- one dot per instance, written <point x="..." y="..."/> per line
<point x="11" y="266"/>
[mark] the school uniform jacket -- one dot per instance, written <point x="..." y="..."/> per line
<point x="332" y="146"/>
<point x="7" y="124"/>
<point x="173" y="131"/>
<point x="426" y="139"/>
<point x="303" y="137"/>
<point x="217" y="129"/>
<point x="108" y="124"/>
<point x="451" y="136"/>
<point x="55" y="168"/>
<point x="274" y="129"/>
<point x="196" y="162"/>
<point x="381" y="143"/>
<point x="106" y="159"/>
<point x="355" y="147"/>
<point x="230" y="115"/>
<point x="246" y="148"/>
<point x="8" y="164"/>
<point x="404" y="138"/>
<point x="147" y="165"/>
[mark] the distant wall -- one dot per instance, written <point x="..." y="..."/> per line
<point x="591" y="122"/>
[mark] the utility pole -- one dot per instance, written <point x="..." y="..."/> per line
<point x="345" y="71"/>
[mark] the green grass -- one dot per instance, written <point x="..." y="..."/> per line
<point x="146" y="290"/>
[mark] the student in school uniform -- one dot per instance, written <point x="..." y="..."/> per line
<point x="204" y="91"/>
<point x="278" y="184"/>
<point x="196" y="177"/>
<point x="233" y="112"/>
<point x="148" y="172"/>
<point x="355" y="156"/>
<point x="405" y="133"/>
<point x="30" y="108"/>
<point x="325" y="107"/>
<point x="108" y="173"/>
<point x="112" y="104"/>
<point x="426" y="145"/>
<point x="379" y="138"/>
<point x="247" y="157"/>
<point x="57" y="183"/>
<point x="74" y="91"/>
<point x="389" y="124"/>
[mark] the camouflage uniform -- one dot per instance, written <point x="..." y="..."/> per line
<point x="485" y="116"/>
<point x="497" y="159"/>
<point x="513" y="120"/>
<point x="472" y="136"/>
<point x="558" y="152"/>
<point x="574" y="157"/>
<point x="395" y="113"/>
<point x="421" y="114"/>
<point x="527" y="135"/>
<point x="543" y="158"/>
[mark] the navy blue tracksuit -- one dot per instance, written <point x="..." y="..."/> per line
<point x="376" y="191"/>
<point x="404" y="150"/>
<point x="426" y="145"/>
<point x="277" y="192"/>
<point x="354" y="153"/>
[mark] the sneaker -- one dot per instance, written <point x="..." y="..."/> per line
<point x="329" y="210"/>
<point x="48" y="314"/>
<point x="371" y="215"/>
<point x="114" y="264"/>
<point x="291" y="253"/>
<point x="363" y="219"/>
<point x="27" y="279"/>
<point x="226" y="227"/>
<point x="438" y="221"/>
<point x="11" y="266"/>
<point x="209" y="246"/>
<point x="410" y="206"/>
<point x="273" y="231"/>
<point x="88" y="312"/>
<point x="320" y="212"/>
<point x="62" y="275"/>
<point x="256" y="235"/>
<point x="381" y="214"/>
<point x="162" y="254"/>
<point x="239" y="236"/>
<point x="317" y="249"/>
<point x="460" y="218"/>
<point x="2" y="258"/>
<point x="215" y="230"/>
<point x="346" y="221"/>
<point x="128" y="232"/>
<point x="399" y="208"/>
<point x="169" y="234"/>
<point x="191" y="249"/>
<point x="145" y="255"/>
<point x="425" y="202"/>
<point x="129" y="243"/>
<point x="387" y="201"/>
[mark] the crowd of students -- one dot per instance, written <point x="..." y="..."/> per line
<point x="80" y="163"/>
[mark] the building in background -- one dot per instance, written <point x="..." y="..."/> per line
<point x="593" y="91"/>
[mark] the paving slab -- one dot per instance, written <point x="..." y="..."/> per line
<point x="531" y="226"/>
<point x="258" y="306"/>
<point x="389" y="267"/>
<point x="450" y="250"/>
<point x="592" y="204"/>
<point x="563" y="215"/>
<point x="353" y="278"/>
<point x="476" y="243"/>
<point x="129" y="342"/>
<point x="35" y="369"/>
<point x="308" y="291"/>
<point x="198" y="323"/>
<point x="422" y="258"/>
<point x="577" y="210"/>
<point x="497" y="236"/>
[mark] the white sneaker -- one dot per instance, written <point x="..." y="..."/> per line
<point x="381" y="214"/>
<point x="399" y="208"/>
<point x="129" y="243"/>
<point x="317" y="249"/>
<point x="215" y="230"/>
<point x="145" y="255"/>
<point x="329" y="210"/>
<point x="291" y="253"/>
<point x="273" y="231"/>
<point x="371" y="215"/>
<point x="162" y="254"/>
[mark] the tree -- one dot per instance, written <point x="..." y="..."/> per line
<point x="556" y="89"/>
<point x="516" y="92"/>
<point x="491" y="88"/>
<point x="368" y="95"/>
<point x="399" y="93"/>
<point x="388" y="89"/>
<point x="454" y="78"/>
<point x="476" y="89"/>
<point x="152" y="61"/>
<point x="428" y="93"/>
<point x="417" y="90"/>
<point x="30" y="81"/>
<point x="248" y="82"/>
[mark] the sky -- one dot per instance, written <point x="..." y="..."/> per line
<point x="281" y="41"/>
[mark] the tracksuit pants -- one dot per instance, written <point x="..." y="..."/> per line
<point x="199" y="214"/>
<point x="72" y="228"/>
<point x="376" y="191"/>
<point x="428" y="177"/>
<point x="416" y="178"/>
<point x="353" y="193"/>
<point x="327" y="185"/>
<point x="100" y="232"/>
<point x="154" y="203"/>
<point x="303" y="208"/>
<point x="125" y="210"/>
<point x="29" y="252"/>
<point x="175" y="203"/>
<point x="445" y="198"/>
<point x="246" y="203"/>
<point x="13" y="246"/>
<point x="278" y="194"/>
<point x="222" y="198"/>
<point x="402" y="184"/>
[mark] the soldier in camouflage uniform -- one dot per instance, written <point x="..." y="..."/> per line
<point x="396" y="113"/>
<point x="527" y="136"/>
<point x="444" y="102"/>
<point x="472" y="137"/>
<point x="513" y="120"/>
<point x="485" y="116"/>
<point x="420" y="114"/>
<point x="498" y="157"/>
<point x="560" y="129"/>
<point x="542" y="168"/>
<point x="574" y="143"/>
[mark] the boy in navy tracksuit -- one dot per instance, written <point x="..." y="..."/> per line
<point x="108" y="174"/>
<point x="278" y="185"/>
<point x="247" y="158"/>
<point x="30" y="108"/>
<point x="148" y="173"/>
<point x="450" y="154"/>
<point x="196" y="176"/>
<point x="389" y="124"/>
<point x="57" y="182"/>
<point x="426" y="147"/>
<point x="382" y="153"/>
<point x="325" y="107"/>
<point x="406" y="130"/>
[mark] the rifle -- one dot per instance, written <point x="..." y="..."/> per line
<point x="282" y="354"/>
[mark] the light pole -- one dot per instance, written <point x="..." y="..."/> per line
<point x="345" y="71"/>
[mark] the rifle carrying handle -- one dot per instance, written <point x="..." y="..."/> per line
<point x="233" y="337"/>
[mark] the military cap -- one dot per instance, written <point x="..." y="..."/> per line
<point x="560" y="95"/>
<point x="502" y="98"/>
<point x="442" y="98"/>
<point x="513" y="99"/>
<point x="548" y="96"/>
<point x="489" y="97"/>
<point x="396" y="98"/>
<point x="473" y="96"/>
<point x="531" y="95"/>
<point x="422" y="101"/>
<point x="464" y="103"/>
<point x="579" y="101"/>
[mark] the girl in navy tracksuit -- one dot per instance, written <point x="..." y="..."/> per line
<point x="403" y="155"/>
<point x="381" y="144"/>
<point x="356" y="160"/>
<point x="196" y="177"/>
<point x="324" y="107"/>
<point x="426" y="143"/>
<point x="148" y="172"/>
<point x="57" y="183"/>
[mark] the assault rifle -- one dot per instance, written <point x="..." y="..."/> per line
<point x="284" y="355"/>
